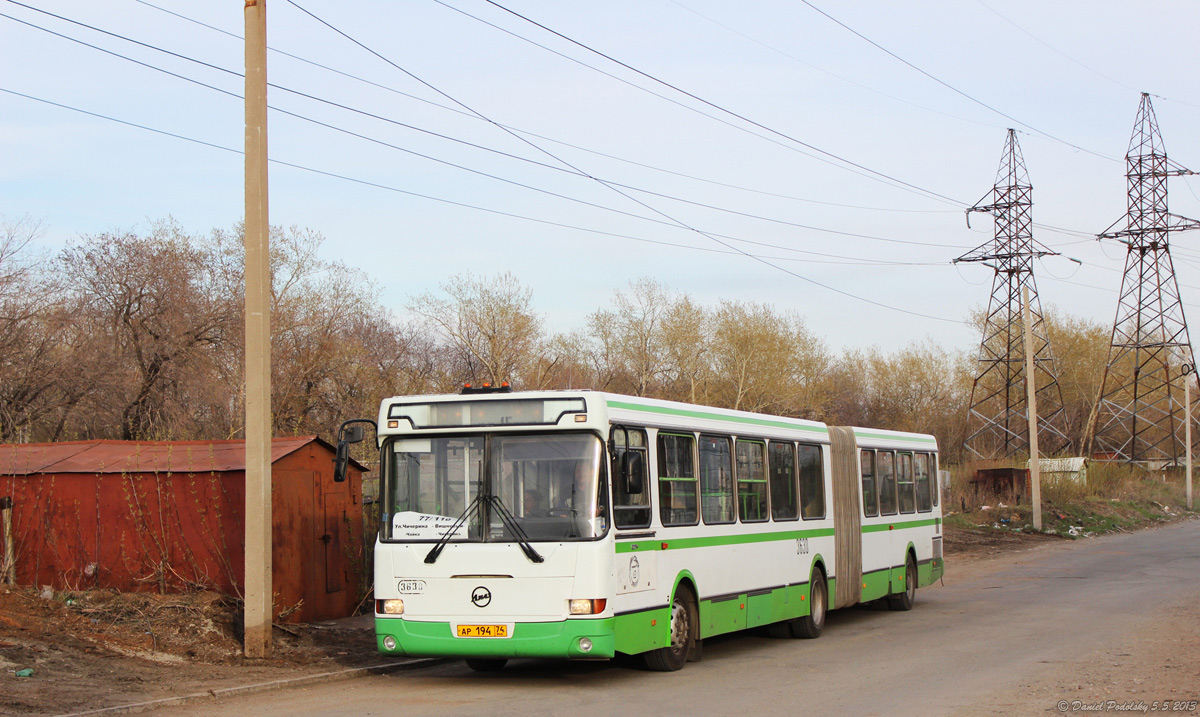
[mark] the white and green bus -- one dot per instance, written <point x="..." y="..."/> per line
<point x="580" y="524"/>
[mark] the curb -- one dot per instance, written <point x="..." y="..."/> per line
<point x="209" y="695"/>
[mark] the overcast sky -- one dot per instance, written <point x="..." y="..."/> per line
<point x="843" y="155"/>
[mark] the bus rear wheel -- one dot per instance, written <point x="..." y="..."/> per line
<point x="904" y="601"/>
<point x="809" y="627"/>
<point x="482" y="664"/>
<point x="683" y="634"/>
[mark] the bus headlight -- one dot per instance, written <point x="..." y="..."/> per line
<point x="389" y="643"/>
<point x="389" y="607"/>
<point x="585" y="645"/>
<point x="588" y="607"/>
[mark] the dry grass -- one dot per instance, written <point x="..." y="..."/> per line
<point x="1115" y="497"/>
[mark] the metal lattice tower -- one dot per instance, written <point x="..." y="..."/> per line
<point x="1139" y="415"/>
<point x="997" y="425"/>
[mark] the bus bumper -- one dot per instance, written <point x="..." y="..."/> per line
<point x="529" y="639"/>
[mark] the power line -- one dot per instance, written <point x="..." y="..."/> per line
<point x="818" y="68"/>
<point x="876" y="174"/>
<point x="430" y="158"/>
<point x="948" y="86"/>
<point x="827" y="159"/>
<point x="468" y="169"/>
<point x="619" y="191"/>
<point x="625" y="160"/>
<point x="1052" y="48"/>
<point x="452" y="139"/>
<point x="732" y="113"/>
<point x="442" y="200"/>
<point x="675" y="221"/>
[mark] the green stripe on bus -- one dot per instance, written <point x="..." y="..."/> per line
<point x="900" y="526"/>
<point x="687" y="413"/>
<point x="681" y="543"/>
<point x="887" y="437"/>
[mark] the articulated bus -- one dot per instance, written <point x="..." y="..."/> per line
<point x="580" y="524"/>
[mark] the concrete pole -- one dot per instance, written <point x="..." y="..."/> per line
<point x="1187" y="431"/>
<point x="258" y="342"/>
<point x="1035" y="466"/>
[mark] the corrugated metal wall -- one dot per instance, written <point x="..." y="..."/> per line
<point x="169" y="517"/>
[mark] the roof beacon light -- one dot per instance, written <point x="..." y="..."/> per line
<point x="486" y="387"/>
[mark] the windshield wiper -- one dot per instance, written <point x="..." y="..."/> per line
<point x="432" y="556"/>
<point x="521" y="536"/>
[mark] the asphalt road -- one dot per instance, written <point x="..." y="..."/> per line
<point x="993" y="624"/>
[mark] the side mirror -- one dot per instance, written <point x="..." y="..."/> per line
<point x="350" y="432"/>
<point x="633" y="472"/>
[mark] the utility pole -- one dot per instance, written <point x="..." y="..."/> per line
<point x="1035" y="459"/>
<point x="996" y="423"/>
<point x="1138" y="415"/>
<point x="258" y="342"/>
<point x="1187" y="417"/>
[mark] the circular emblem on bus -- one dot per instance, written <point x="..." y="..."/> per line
<point x="635" y="571"/>
<point x="481" y="596"/>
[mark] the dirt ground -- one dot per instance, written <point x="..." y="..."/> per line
<point x="102" y="649"/>
<point x="1160" y="672"/>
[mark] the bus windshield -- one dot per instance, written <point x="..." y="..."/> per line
<point x="546" y="486"/>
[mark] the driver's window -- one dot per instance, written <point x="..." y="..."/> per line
<point x="630" y="509"/>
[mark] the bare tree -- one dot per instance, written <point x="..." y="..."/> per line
<point x="767" y="361"/>
<point x="850" y="389"/>
<point x="489" y="324"/>
<point x="686" y="342"/>
<point x="164" y="314"/>
<point x="1080" y="357"/>
<point x="40" y="372"/>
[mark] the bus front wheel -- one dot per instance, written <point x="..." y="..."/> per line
<point x="683" y="634"/>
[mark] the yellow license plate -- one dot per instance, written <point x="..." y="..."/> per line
<point x="483" y="631"/>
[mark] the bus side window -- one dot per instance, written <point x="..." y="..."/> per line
<point x="870" y="499"/>
<point x="935" y="474"/>
<point x="812" y="482"/>
<point x="716" y="480"/>
<point x="887" y="482"/>
<point x="921" y="468"/>
<point x="908" y="500"/>
<point x="630" y="510"/>
<point x="676" y="479"/>
<point x="752" y="481"/>
<point x="782" y="462"/>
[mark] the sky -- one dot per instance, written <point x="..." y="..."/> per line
<point x="814" y="156"/>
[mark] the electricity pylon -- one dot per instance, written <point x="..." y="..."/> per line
<point x="998" y="422"/>
<point x="1140" y="413"/>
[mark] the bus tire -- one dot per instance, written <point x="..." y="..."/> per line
<point x="809" y="627"/>
<point x="780" y="630"/>
<point x="684" y="628"/>
<point x="486" y="664"/>
<point x="904" y="601"/>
